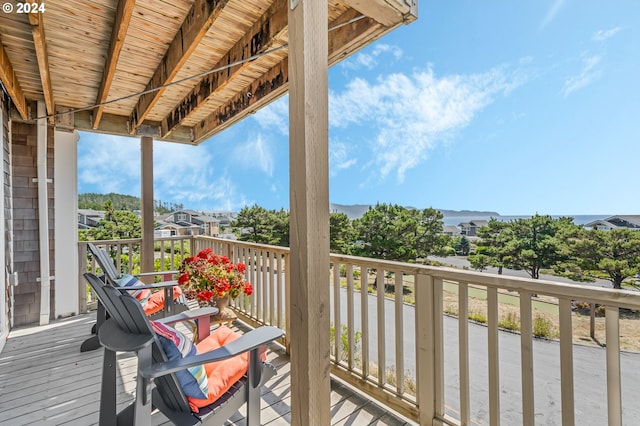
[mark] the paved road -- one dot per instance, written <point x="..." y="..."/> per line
<point x="589" y="370"/>
<point x="462" y="262"/>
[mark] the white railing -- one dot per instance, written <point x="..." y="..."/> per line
<point x="417" y="358"/>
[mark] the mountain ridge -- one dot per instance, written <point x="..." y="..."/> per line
<point x="354" y="211"/>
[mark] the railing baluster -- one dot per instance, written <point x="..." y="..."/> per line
<point x="265" y="285"/>
<point x="526" y="359"/>
<point x="280" y="289"/>
<point x="350" y="322"/>
<point x="438" y="341"/>
<point x="399" y="316"/>
<point x="494" y="363"/>
<point x="614" y="390"/>
<point x="566" y="362"/>
<point x="364" y="320"/>
<point x="425" y="349"/>
<point x="381" y="327"/>
<point x="337" y="341"/>
<point x="272" y="288"/>
<point x="463" y="360"/>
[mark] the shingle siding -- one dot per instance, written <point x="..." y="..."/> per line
<point x="26" y="244"/>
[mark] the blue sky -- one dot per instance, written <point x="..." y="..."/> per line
<point x="518" y="107"/>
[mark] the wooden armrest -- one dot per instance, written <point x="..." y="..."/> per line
<point x="150" y="286"/>
<point x="250" y="341"/>
<point x="147" y="274"/>
<point x="113" y="338"/>
<point x="189" y="315"/>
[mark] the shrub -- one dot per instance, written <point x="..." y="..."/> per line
<point x="510" y="322"/>
<point x="543" y="327"/>
<point x="477" y="317"/>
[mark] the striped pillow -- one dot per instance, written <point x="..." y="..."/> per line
<point x="131" y="281"/>
<point x="176" y="345"/>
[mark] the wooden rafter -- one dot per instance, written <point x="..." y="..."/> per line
<point x="386" y="12"/>
<point x="37" y="29"/>
<point x="201" y="16"/>
<point x="266" y="33"/>
<point x="342" y="42"/>
<point x="262" y="91"/>
<point x="10" y="82"/>
<point x="118" y="34"/>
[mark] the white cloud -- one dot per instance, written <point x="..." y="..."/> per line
<point x="109" y="163"/>
<point x="255" y="153"/>
<point x="551" y="13"/>
<point x="275" y="116"/>
<point x="602" y="35"/>
<point x="588" y="74"/>
<point x="369" y="59"/>
<point x="413" y="114"/>
<point x="341" y="157"/>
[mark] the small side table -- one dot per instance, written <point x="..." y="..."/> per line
<point x="227" y="317"/>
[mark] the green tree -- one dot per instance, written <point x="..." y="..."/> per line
<point x="493" y="241"/>
<point x="479" y="261"/>
<point x="612" y="255"/>
<point x="389" y="231"/>
<point x="280" y="227"/>
<point x="340" y="233"/>
<point x="255" y="225"/>
<point x="116" y="225"/>
<point x="533" y="244"/>
<point x="463" y="246"/>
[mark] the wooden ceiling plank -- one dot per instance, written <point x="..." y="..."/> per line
<point x="118" y="35"/>
<point x="201" y="16"/>
<point x="39" y="41"/>
<point x="10" y="82"/>
<point x="264" y="35"/>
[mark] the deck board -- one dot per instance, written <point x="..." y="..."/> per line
<point x="45" y="380"/>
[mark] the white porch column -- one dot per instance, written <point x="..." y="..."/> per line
<point x="146" y="249"/>
<point x="43" y="216"/>
<point x="65" y="179"/>
<point x="309" y="202"/>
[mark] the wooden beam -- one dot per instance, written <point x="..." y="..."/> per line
<point x="10" y="82"/>
<point x="195" y="26"/>
<point x="342" y="42"/>
<point x="118" y="34"/>
<point x="146" y="196"/>
<point x="263" y="90"/>
<point x="309" y="202"/>
<point x="265" y="34"/>
<point x="387" y="12"/>
<point x="39" y="40"/>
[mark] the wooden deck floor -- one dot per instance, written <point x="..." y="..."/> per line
<point x="45" y="380"/>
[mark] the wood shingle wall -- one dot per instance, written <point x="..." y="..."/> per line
<point x="26" y="246"/>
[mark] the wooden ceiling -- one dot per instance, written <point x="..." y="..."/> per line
<point x="177" y="70"/>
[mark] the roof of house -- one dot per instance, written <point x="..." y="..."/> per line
<point x="618" y="221"/>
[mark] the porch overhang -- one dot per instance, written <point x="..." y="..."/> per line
<point x="178" y="71"/>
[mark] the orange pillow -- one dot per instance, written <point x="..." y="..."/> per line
<point x="155" y="302"/>
<point x="221" y="375"/>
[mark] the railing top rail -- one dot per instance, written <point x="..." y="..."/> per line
<point x="622" y="298"/>
<point x="275" y="249"/>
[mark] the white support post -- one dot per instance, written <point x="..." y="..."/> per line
<point x="43" y="216"/>
<point x="65" y="178"/>
<point x="309" y="203"/>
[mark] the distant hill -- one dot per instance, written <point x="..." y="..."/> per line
<point x="122" y="202"/>
<point x="355" y="211"/>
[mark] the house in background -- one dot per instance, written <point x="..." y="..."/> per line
<point x="451" y="230"/>
<point x="88" y="218"/>
<point x="470" y="229"/>
<point x="616" y="222"/>
<point x="189" y="222"/>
